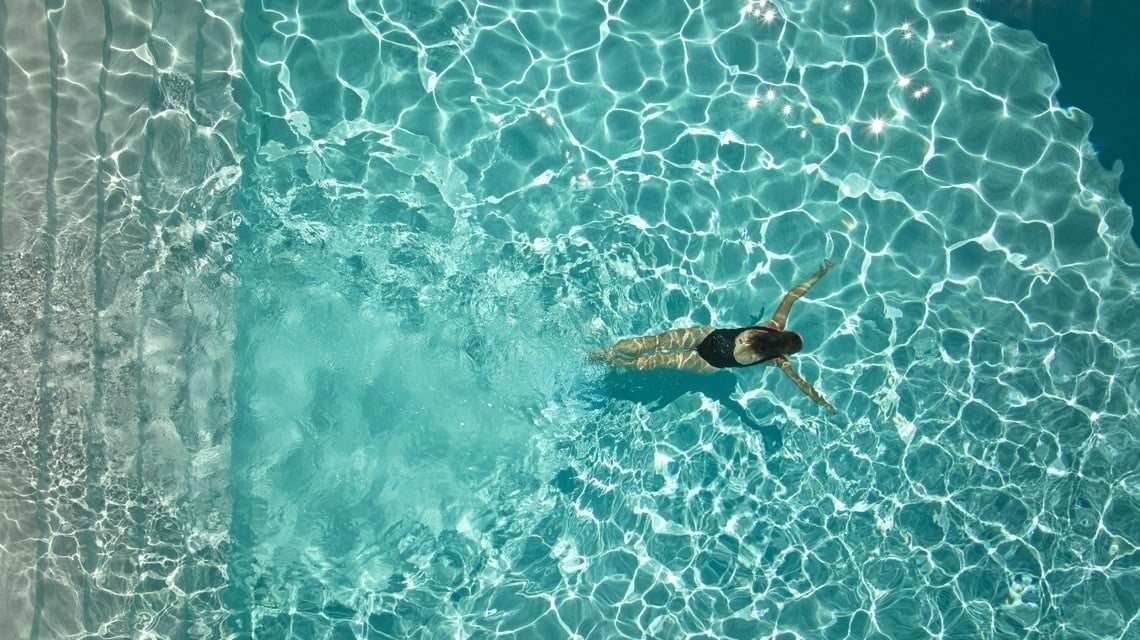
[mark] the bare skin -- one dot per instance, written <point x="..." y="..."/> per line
<point x="677" y="348"/>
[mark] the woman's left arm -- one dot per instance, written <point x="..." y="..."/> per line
<point x="780" y="318"/>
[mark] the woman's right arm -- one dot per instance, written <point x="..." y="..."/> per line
<point x="808" y="390"/>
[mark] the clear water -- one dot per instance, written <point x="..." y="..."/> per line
<point x="296" y="297"/>
<point x="1085" y="39"/>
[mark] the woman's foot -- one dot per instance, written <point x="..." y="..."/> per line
<point x="600" y="355"/>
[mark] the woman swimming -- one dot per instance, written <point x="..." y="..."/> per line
<point x="707" y="350"/>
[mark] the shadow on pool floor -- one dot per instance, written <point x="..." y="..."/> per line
<point x="657" y="389"/>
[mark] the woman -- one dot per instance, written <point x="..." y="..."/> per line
<point x="707" y="350"/>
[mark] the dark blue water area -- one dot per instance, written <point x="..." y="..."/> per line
<point x="1095" y="47"/>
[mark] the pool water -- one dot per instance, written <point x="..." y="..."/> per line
<point x="315" y="364"/>
<point x="1085" y="40"/>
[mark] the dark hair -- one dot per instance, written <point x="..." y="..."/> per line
<point x="771" y="343"/>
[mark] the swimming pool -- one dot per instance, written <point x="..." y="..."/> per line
<point x="296" y="299"/>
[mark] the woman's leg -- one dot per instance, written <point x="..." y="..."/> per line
<point x="682" y="360"/>
<point x="673" y="340"/>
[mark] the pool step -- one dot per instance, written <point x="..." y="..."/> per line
<point x="115" y="232"/>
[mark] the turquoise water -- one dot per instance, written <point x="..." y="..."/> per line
<point x="315" y="365"/>
<point x="1085" y="39"/>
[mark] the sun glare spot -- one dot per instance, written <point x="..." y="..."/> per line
<point x="902" y="82"/>
<point x="878" y="125"/>
<point x="907" y="32"/>
<point x="758" y="8"/>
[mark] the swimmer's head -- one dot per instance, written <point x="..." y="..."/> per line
<point x="791" y="342"/>
<point x="771" y="343"/>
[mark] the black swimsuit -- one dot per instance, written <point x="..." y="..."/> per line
<point x="717" y="348"/>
